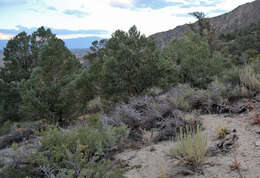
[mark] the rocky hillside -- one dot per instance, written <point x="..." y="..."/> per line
<point x="239" y="18"/>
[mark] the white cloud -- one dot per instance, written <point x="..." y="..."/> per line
<point x="5" y="36"/>
<point x="122" y="3"/>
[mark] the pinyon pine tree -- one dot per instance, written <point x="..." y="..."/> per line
<point x="128" y="64"/>
<point x="20" y="57"/>
<point x="49" y="92"/>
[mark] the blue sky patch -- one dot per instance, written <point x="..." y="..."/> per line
<point x="51" y="8"/>
<point x="74" y="12"/>
<point x="154" y="4"/>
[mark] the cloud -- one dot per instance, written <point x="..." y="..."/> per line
<point x="7" y="3"/>
<point x="71" y="36"/>
<point x="66" y="32"/>
<point x="199" y="3"/>
<point x="181" y="15"/>
<point x="159" y="4"/>
<point x="63" y="33"/>
<point x="17" y="30"/>
<point x="124" y="4"/>
<point x="75" y="12"/>
<point x="34" y="10"/>
<point x="4" y="36"/>
<point x="153" y="4"/>
<point x="51" y="8"/>
<point x="207" y="4"/>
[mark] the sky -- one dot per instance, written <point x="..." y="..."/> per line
<point x="83" y="18"/>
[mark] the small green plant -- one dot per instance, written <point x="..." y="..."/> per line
<point x="154" y="91"/>
<point x="191" y="147"/>
<point x="188" y="117"/>
<point x="182" y="103"/>
<point x="222" y="132"/>
<point x="80" y="152"/>
<point x="5" y="127"/>
<point x="95" y="105"/>
<point x="14" y="146"/>
<point x="182" y="99"/>
<point x="10" y="171"/>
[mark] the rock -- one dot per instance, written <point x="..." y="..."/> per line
<point x="257" y="143"/>
<point x="186" y="172"/>
<point x="212" y="151"/>
<point x="152" y="148"/>
<point x="224" y="145"/>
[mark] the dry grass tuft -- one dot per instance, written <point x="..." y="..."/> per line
<point x="147" y="136"/>
<point x="162" y="173"/>
<point x="191" y="147"/>
<point x="249" y="79"/>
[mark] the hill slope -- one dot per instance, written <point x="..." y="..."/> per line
<point x="239" y="18"/>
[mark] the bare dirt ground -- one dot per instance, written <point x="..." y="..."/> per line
<point x="158" y="163"/>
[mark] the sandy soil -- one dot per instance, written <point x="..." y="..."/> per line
<point x="155" y="164"/>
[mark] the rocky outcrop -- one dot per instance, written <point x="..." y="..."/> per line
<point x="239" y="18"/>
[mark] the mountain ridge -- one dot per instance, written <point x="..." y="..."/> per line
<point x="239" y="18"/>
<point x="71" y="43"/>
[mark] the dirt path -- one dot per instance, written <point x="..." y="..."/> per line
<point x="149" y="164"/>
<point x="153" y="164"/>
<point x="248" y="154"/>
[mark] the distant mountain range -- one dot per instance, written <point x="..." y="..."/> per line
<point x="239" y="18"/>
<point x="73" y="43"/>
<point x="80" y="43"/>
